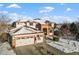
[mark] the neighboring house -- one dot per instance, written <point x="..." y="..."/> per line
<point x="25" y="35"/>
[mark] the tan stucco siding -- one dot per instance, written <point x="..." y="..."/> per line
<point x="21" y="40"/>
<point x="20" y="24"/>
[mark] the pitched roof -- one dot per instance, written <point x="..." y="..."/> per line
<point x="24" y="30"/>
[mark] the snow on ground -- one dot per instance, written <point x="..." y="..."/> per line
<point x="67" y="46"/>
<point x="5" y="49"/>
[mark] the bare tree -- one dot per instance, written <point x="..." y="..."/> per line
<point x="65" y="30"/>
<point x="4" y="23"/>
<point x="4" y="27"/>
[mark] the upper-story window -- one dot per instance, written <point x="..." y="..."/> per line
<point x="25" y="23"/>
<point x="31" y="23"/>
<point x="18" y="22"/>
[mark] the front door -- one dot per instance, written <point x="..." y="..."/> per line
<point x="45" y="31"/>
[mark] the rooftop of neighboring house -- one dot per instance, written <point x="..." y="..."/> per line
<point x="23" y="30"/>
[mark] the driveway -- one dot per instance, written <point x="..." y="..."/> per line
<point x="27" y="50"/>
<point x="5" y="49"/>
<point x="38" y="49"/>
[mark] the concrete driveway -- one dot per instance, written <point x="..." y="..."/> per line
<point x="5" y="49"/>
<point x="27" y="50"/>
<point x="38" y="49"/>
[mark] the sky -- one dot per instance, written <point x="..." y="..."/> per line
<point x="55" y="12"/>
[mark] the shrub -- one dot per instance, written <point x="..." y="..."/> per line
<point x="3" y="37"/>
<point x="62" y="33"/>
<point x="77" y="37"/>
<point x="55" y="38"/>
<point x="56" y="33"/>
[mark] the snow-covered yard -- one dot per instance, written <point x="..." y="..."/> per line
<point x="67" y="46"/>
<point x="5" y="49"/>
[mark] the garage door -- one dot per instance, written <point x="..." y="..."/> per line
<point x="21" y="42"/>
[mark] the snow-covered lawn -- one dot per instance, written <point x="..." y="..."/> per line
<point x="5" y="49"/>
<point x="67" y="46"/>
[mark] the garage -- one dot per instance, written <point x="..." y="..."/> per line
<point x="26" y="36"/>
<point x="22" y="42"/>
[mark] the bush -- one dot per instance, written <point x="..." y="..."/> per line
<point x="3" y="37"/>
<point x="77" y="37"/>
<point x="62" y="33"/>
<point x="55" y="38"/>
<point x="56" y="33"/>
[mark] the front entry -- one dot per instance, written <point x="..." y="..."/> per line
<point x="45" y="31"/>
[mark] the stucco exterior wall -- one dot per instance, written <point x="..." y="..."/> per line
<point x="40" y="41"/>
<point x="34" y="25"/>
<point x="52" y="25"/>
<point x="20" y="24"/>
<point x="26" y="41"/>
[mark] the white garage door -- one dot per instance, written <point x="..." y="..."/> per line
<point x="21" y="42"/>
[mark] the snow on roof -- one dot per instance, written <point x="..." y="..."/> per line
<point x="24" y="30"/>
<point x="13" y="30"/>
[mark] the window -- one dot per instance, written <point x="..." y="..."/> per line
<point x="50" y="31"/>
<point x="41" y="35"/>
<point x="28" y="37"/>
<point x="31" y="36"/>
<point x="31" y="23"/>
<point x="38" y="37"/>
<point x="26" y="23"/>
<point x="23" y="38"/>
<point x="18" y="38"/>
